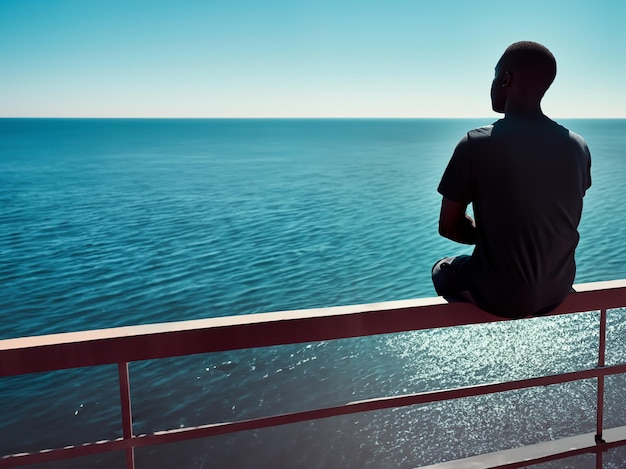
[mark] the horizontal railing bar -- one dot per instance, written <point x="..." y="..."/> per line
<point x="154" y="341"/>
<point x="169" y="436"/>
<point x="368" y="405"/>
<point x="56" y="454"/>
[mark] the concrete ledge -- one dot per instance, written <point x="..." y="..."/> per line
<point x="540" y="452"/>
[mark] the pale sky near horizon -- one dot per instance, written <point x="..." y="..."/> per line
<point x="280" y="58"/>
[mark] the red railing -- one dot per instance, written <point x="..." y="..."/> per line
<point x="128" y="344"/>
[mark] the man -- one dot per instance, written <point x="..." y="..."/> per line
<point x="525" y="177"/>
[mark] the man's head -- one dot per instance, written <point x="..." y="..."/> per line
<point x="525" y="71"/>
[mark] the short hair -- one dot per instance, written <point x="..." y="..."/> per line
<point x="533" y="63"/>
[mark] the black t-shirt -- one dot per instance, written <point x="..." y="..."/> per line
<point x="526" y="180"/>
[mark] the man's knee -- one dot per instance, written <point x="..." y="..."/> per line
<point x="441" y="275"/>
<point x="450" y="275"/>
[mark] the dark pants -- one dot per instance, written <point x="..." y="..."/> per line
<point x="452" y="276"/>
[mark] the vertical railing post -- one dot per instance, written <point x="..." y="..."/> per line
<point x="599" y="454"/>
<point x="600" y="405"/>
<point x="127" y="418"/>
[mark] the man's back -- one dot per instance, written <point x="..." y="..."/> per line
<point x="526" y="179"/>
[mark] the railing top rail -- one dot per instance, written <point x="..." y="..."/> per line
<point x="132" y="343"/>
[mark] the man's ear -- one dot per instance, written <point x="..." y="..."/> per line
<point x="506" y="80"/>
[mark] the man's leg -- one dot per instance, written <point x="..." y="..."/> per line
<point x="451" y="278"/>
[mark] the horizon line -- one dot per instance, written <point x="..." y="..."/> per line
<point x="298" y="117"/>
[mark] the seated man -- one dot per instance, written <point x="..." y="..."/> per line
<point x="525" y="177"/>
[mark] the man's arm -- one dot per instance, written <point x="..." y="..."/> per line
<point x="455" y="224"/>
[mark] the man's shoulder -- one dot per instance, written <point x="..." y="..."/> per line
<point x="474" y="137"/>
<point x="573" y="138"/>
<point x="480" y="132"/>
<point x="577" y="138"/>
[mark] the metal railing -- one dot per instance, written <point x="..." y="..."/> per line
<point x="123" y="345"/>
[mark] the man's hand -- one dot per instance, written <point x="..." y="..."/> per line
<point x="455" y="224"/>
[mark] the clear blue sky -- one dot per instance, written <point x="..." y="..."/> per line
<point x="293" y="58"/>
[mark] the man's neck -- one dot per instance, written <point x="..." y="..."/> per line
<point x="524" y="114"/>
<point x="523" y="108"/>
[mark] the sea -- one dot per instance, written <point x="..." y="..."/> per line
<point x="114" y="222"/>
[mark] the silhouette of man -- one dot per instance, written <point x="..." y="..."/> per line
<point x="525" y="177"/>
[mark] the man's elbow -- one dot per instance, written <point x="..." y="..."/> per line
<point x="463" y="232"/>
<point x="447" y="231"/>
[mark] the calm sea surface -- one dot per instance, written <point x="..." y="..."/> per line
<point x="107" y="223"/>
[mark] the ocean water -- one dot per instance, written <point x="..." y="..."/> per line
<point x="107" y="222"/>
